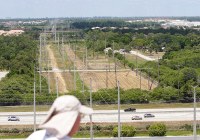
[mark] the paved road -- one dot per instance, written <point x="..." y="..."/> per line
<point x="135" y="138"/>
<point x="146" y="138"/>
<point x="142" y="56"/>
<point x="178" y="114"/>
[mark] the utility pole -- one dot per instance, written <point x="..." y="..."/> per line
<point x="91" y="125"/>
<point x="115" y="72"/>
<point x="57" y="86"/>
<point x="83" y="86"/>
<point x="34" y="108"/>
<point x="140" y="81"/>
<point x="74" y="77"/>
<point x="48" y="75"/>
<point x="97" y="56"/>
<point x="44" y="37"/>
<point x="74" y="67"/>
<point x="158" y="72"/>
<point x="119" y="124"/>
<point x="113" y="49"/>
<point x="136" y="63"/>
<point x="106" y="76"/>
<point x="63" y="50"/>
<point x="94" y="45"/>
<point x="141" y="76"/>
<point x="178" y="80"/>
<point x="86" y="61"/>
<point x="75" y="51"/>
<point x="195" y="121"/>
<point x="55" y="33"/>
<point x="59" y="42"/>
<point x="105" y="48"/>
<point x="62" y="30"/>
<point x="148" y="79"/>
<point x="195" y="106"/>
<point x="115" y="64"/>
<point x="124" y="59"/>
<point x="40" y="63"/>
<point x="109" y="63"/>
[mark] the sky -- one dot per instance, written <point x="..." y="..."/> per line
<point x="97" y="8"/>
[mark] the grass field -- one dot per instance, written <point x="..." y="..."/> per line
<point x="137" y="61"/>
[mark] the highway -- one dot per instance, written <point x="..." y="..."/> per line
<point x="134" y="138"/>
<point x="100" y="116"/>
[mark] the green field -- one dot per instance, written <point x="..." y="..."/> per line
<point x="100" y="107"/>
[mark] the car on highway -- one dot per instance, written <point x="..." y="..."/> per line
<point x="13" y="118"/>
<point x="136" y="118"/>
<point x="130" y="109"/>
<point x="148" y="115"/>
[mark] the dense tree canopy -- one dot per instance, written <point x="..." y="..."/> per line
<point x="18" y="55"/>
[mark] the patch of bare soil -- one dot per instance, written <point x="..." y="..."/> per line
<point x="127" y="80"/>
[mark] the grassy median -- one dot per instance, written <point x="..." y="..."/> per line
<point x="29" y="108"/>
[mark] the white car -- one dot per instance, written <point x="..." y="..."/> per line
<point x="13" y="118"/>
<point x="136" y="118"/>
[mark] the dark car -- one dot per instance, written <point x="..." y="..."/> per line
<point x="130" y="109"/>
<point x="149" y="115"/>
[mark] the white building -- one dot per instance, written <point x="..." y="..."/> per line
<point x="107" y="49"/>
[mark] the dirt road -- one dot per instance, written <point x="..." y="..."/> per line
<point x="61" y="82"/>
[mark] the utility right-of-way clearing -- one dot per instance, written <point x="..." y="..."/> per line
<point x="108" y="79"/>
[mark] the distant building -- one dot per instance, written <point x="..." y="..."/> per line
<point x="121" y="50"/>
<point x="116" y="51"/>
<point x="113" y="28"/>
<point x="180" y="23"/>
<point x="15" y="32"/>
<point x="107" y="49"/>
<point x="93" y="28"/>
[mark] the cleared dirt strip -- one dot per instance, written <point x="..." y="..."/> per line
<point x="61" y="82"/>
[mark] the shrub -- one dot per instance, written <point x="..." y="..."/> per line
<point x="14" y="130"/>
<point x="147" y="127"/>
<point x="186" y="127"/>
<point x="131" y="65"/>
<point x="158" y="129"/>
<point x="126" y="131"/>
<point x="97" y="127"/>
<point x="109" y="127"/>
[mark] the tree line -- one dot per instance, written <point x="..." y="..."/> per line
<point x="18" y="55"/>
